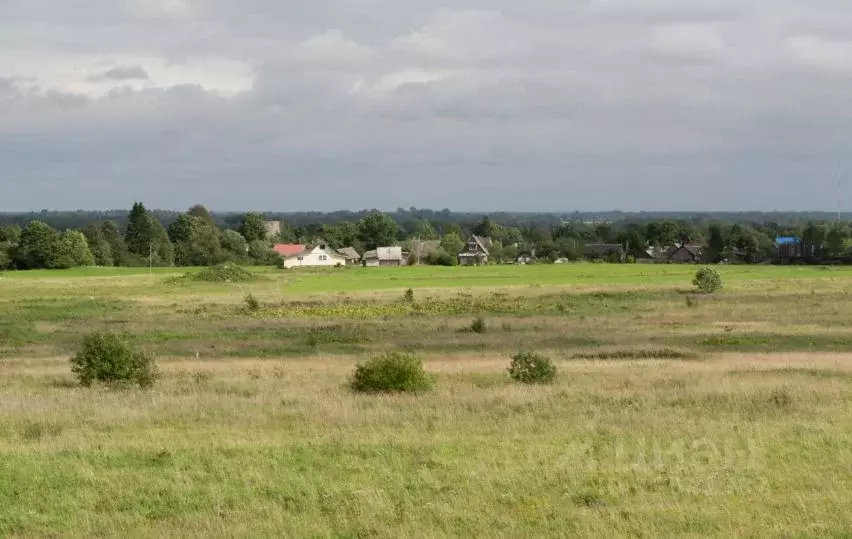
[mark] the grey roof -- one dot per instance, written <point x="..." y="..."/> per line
<point x="350" y="253"/>
<point x="384" y="253"/>
<point x="483" y="243"/>
<point x="389" y="253"/>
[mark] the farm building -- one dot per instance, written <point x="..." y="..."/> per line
<point x="351" y="255"/>
<point x="318" y="256"/>
<point x="475" y="252"/>
<point x="685" y="254"/>
<point x="789" y="247"/>
<point x="383" y="257"/>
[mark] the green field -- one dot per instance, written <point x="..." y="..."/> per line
<point x="674" y="414"/>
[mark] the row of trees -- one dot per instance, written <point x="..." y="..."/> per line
<point x="196" y="238"/>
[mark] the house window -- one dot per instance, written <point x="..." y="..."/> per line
<point x="323" y="258"/>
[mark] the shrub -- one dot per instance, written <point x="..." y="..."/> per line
<point x="691" y="302"/>
<point x="408" y="296"/>
<point x="393" y="372"/>
<point x="224" y="273"/>
<point x="532" y="368"/>
<point x="104" y="357"/>
<point x="441" y="258"/>
<point x="478" y="325"/>
<point x="252" y="303"/>
<point x="707" y="280"/>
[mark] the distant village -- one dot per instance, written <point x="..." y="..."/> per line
<point x="477" y="251"/>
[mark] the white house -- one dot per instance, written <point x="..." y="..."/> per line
<point x="318" y="256"/>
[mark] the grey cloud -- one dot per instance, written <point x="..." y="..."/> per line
<point x="468" y="104"/>
<point x="121" y="73"/>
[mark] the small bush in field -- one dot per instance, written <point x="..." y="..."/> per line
<point x="252" y="304"/>
<point x="707" y="280"/>
<point x="105" y="358"/>
<point x="478" y="325"/>
<point x="532" y="368"/>
<point x="393" y="372"/>
<point x="408" y="297"/>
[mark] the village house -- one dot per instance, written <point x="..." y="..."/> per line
<point x="383" y="257"/>
<point x="285" y="250"/>
<point x="318" y="256"/>
<point x="351" y="255"/>
<point x="685" y="254"/>
<point x="475" y="252"/>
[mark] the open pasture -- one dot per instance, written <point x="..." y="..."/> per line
<point x="673" y="414"/>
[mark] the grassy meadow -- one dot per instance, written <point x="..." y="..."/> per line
<point x="674" y="414"/>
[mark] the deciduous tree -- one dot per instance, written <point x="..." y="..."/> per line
<point x="377" y="230"/>
<point x="452" y="243"/>
<point x="98" y="245"/>
<point x="36" y="247"/>
<point x="252" y="228"/>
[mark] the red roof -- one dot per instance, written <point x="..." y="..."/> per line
<point x="289" y="249"/>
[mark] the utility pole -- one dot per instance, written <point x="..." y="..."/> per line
<point x="839" y="191"/>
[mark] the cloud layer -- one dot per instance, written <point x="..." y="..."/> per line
<point x="592" y="104"/>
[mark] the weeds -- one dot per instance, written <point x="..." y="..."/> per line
<point x="658" y="353"/>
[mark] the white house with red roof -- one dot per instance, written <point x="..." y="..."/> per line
<point x="320" y="255"/>
<point x="289" y="249"/>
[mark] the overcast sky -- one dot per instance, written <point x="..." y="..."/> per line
<point x="468" y="104"/>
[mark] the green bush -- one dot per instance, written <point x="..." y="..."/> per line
<point x="105" y="358"/>
<point x="478" y="325"/>
<point x="224" y="273"/>
<point x="441" y="258"/>
<point x="408" y="297"/>
<point x="252" y="303"/>
<point x="707" y="280"/>
<point x="532" y="368"/>
<point x="393" y="372"/>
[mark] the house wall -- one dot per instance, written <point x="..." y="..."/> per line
<point x="684" y="256"/>
<point x="315" y="258"/>
<point x="791" y="250"/>
<point x="473" y="260"/>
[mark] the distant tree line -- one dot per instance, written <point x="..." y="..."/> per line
<point x="142" y="237"/>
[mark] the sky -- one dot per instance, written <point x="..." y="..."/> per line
<point x="542" y="105"/>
